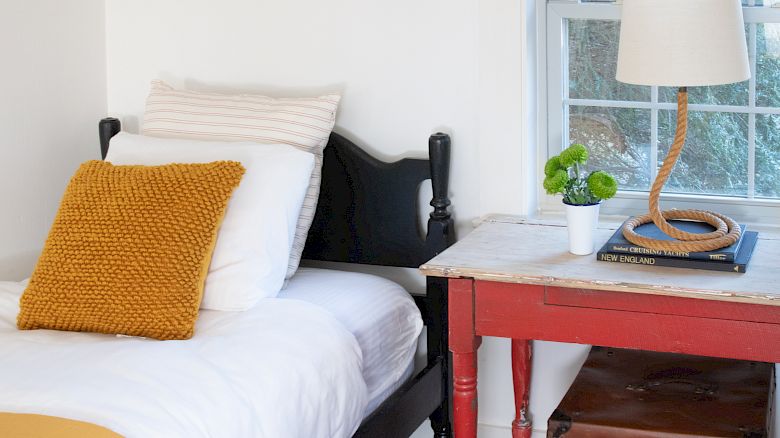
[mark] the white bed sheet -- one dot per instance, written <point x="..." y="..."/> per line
<point x="378" y="312"/>
<point x="286" y="368"/>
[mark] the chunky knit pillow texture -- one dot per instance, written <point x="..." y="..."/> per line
<point x="302" y="122"/>
<point x="129" y="249"/>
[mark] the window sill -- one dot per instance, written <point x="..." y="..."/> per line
<point x="762" y="213"/>
<point x="606" y="222"/>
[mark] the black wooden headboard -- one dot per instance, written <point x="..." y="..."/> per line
<point x="367" y="209"/>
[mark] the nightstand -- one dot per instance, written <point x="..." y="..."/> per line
<point x="514" y="278"/>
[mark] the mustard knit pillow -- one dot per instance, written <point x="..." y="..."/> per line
<point x="129" y="249"/>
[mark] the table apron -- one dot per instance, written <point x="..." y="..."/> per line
<point x="650" y="322"/>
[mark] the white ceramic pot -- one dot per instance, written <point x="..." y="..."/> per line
<point x="582" y="221"/>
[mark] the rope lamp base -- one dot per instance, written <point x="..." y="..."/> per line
<point x="727" y="231"/>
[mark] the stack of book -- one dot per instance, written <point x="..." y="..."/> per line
<point x="734" y="258"/>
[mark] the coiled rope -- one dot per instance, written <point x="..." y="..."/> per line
<point x="727" y="230"/>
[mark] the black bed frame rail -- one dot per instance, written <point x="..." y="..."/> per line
<point x="367" y="213"/>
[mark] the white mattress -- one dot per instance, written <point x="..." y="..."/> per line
<point x="285" y="368"/>
<point x="378" y="312"/>
<point x="310" y="364"/>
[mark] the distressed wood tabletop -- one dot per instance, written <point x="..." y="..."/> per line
<point x="515" y="250"/>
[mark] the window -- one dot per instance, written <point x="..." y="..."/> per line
<point x="732" y="152"/>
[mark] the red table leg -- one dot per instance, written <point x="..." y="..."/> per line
<point x="521" y="377"/>
<point x="463" y="345"/>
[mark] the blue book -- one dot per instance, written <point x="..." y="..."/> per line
<point x="739" y="265"/>
<point x="618" y="244"/>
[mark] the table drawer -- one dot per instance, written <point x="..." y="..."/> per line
<point x="663" y="304"/>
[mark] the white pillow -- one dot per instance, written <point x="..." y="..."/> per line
<point x="256" y="236"/>
<point x="303" y="122"/>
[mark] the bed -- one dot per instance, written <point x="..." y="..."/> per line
<point x="342" y="343"/>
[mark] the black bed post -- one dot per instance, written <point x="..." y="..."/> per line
<point x="441" y="234"/>
<point x="440" y="225"/>
<point x="107" y="128"/>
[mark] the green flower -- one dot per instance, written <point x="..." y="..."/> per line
<point x="575" y="153"/>
<point x="557" y="182"/>
<point x="553" y="165"/>
<point x="602" y="184"/>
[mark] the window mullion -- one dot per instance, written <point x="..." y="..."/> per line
<point x="556" y="77"/>
<point x="751" y="165"/>
<point x="653" y="133"/>
<point x="669" y="106"/>
<point x="565" y="83"/>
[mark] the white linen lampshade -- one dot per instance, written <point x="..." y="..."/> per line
<point x="682" y="43"/>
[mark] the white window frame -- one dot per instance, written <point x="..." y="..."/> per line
<point x="553" y="102"/>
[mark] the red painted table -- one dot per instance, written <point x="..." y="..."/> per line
<point x="514" y="278"/>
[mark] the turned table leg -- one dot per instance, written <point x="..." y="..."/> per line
<point x="521" y="377"/>
<point x="464" y="399"/>
<point x="463" y="344"/>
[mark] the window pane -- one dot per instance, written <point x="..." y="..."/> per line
<point x="593" y="48"/>
<point x="714" y="159"/>
<point x="768" y="155"/>
<point x="618" y="140"/>
<point x="768" y="64"/>
<point x="731" y="94"/>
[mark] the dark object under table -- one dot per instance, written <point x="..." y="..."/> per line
<point x="630" y="393"/>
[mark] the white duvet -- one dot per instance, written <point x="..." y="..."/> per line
<point x="286" y="368"/>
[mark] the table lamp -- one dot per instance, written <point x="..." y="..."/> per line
<point x="681" y="43"/>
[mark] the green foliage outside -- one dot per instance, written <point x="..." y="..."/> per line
<point x="715" y="157"/>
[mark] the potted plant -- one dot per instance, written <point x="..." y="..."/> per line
<point x="582" y="192"/>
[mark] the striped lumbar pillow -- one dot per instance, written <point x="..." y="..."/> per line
<point x="304" y="123"/>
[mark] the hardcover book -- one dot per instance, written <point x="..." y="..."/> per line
<point x="739" y="264"/>
<point x="617" y="243"/>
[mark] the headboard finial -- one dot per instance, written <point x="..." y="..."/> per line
<point x="439" y="152"/>
<point x="107" y="128"/>
<point x="441" y="233"/>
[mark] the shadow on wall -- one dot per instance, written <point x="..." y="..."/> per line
<point x="131" y="124"/>
<point x="264" y="89"/>
<point x="18" y="266"/>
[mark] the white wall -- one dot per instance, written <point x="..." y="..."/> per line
<point x="406" y="68"/>
<point x="52" y="93"/>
